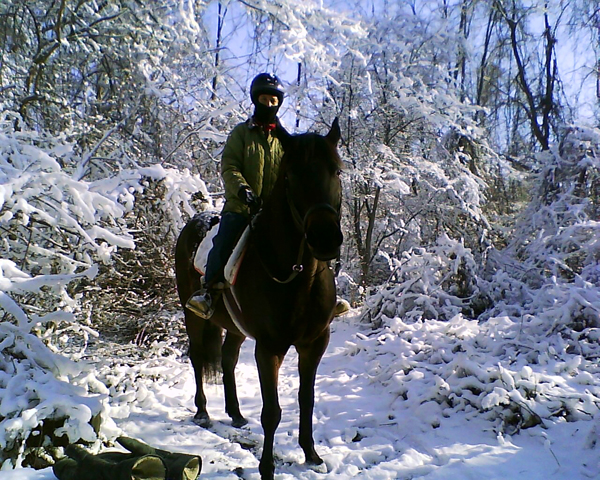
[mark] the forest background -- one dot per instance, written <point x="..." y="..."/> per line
<point x="471" y="185"/>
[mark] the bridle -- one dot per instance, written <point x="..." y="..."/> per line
<point x="300" y="223"/>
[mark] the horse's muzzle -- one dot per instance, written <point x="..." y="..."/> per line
<point x="323" y="233"/>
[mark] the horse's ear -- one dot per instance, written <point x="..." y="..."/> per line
<point x="334" y="134"/>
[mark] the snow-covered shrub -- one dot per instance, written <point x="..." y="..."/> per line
<point x="46" y="400"/>
<point x="438" y="282"/>
<point x="550" y="269"/>
<point x="558" y="234"/>
<point x="556" y="304"/>
<point x="61" y="236"/>
<point x="504" y="370"/>
<point x="397" y="201"/>
<point x="129" y="295"/>
<point x="55" y="232"/>
<point x="56" y="225"/>
<point x="536" y="333"/>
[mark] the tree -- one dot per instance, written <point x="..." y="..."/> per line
<point x="115" y="76"/>
<point x="411" y="179"/>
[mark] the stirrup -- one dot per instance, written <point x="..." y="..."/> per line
<point x="202" y="304"/>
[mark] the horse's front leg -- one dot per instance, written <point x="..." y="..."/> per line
<point x="268" y="371"/>
<point x="230" y="355"/>
<point x="309" y="357"/>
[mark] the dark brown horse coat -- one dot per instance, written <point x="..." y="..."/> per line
<point x="284" y="294"/>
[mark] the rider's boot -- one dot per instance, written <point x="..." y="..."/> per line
<point x="341" y="307"/>
<point x="203" y="301"/>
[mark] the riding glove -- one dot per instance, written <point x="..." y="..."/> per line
<point x="247" y="196"/>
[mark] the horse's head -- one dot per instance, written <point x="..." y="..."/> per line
<point x="312" y="170"/>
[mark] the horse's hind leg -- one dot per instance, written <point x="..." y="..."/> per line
<point x="309" y="357"/>
<point x="205" y="346"/>
<point x="230" y="354"/>
<point x="201" y="417"/>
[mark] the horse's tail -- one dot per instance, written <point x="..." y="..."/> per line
<point x="205" y="337"/>
<point x="210" y="353"/>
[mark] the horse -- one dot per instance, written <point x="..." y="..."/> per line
<point x="284" y="294"/>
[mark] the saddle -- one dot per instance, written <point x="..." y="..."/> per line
<point x="235" y="260"/>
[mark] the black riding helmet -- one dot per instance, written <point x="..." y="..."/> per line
<point x="266" y="83"/>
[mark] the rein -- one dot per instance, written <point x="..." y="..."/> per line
<point x="297" y="267"/>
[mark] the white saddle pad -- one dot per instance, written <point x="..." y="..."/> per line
<point x="201" y="258"/>
<point x="235" y="260"/>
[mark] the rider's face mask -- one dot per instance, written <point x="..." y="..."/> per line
<point x="266" y="108"/>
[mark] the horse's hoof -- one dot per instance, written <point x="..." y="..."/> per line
<point x="313" y="459"/>
<point x="203" y="420"/>
<point x="267" y="473"/>
<point x="239" y="422"/>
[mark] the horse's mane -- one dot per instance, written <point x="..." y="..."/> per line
<point x="300" y="151"/>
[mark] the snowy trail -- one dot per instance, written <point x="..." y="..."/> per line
<point x="362" y="430"/>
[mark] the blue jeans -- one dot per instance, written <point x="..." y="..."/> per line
<point x="230" y="228"/>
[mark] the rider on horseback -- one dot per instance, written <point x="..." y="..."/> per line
<point x="249" y="168"/>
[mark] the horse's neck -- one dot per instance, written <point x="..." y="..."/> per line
<point x="280" y="238"/>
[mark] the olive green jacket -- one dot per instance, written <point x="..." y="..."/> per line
<point x="251" y="158"/>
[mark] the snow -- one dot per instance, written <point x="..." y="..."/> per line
<point x="371" y="419"/>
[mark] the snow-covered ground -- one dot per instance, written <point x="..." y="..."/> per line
<point x="369" y="422"/>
